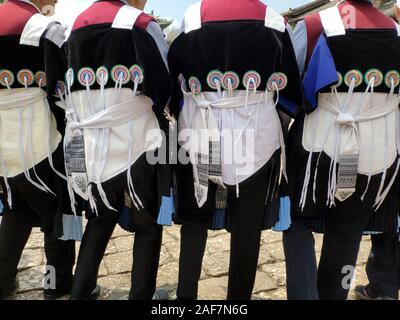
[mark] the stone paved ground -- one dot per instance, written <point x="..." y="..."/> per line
<point x="115" y="269"/>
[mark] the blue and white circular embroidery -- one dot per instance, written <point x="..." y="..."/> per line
<point x="214" y="79"/>
<point x="195" y="85"/>
<point x="251" y="80"/>
<point x="40" y="78"/>
<point x="86" y="76"/>
<point x="120" y="73"/>
<point x="102" y="76"/>
<point x="392" y="78"/>
<point x="6" y="78"/>
<point x="277" y="81"/>
<point x="137" y="72"/>
<point x="230" y="80"/>
<point x="25" y="77"/>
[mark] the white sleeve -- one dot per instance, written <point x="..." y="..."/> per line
<point x="56" y="33"/>
<point x="155" y="31"/>
<point x="299" y="39"/>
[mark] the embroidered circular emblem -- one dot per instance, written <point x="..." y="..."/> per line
<point x="340" y="80"/>
<point x="25" y="77"/>
<point x="40" y="78"/>
<point x="70" y="77"/>
<point x="375" y="75"/>
<point x="280" y="80"/>
<point x="6" y="77"/>
<point x="230" y="79"/>
<point x="86" y="76"/>
<point x="136" y="71"/>
<point x="102" y="76"/>
<point x="60" y="89"/>
<point x="120" y="73"/>
<point x="252" y="80"/>
<point x="195" y="85"/>
<point x="392" y="76"/>
<point x="213" y="78"/>
<point x="353" y="74"/>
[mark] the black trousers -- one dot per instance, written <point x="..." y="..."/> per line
<point x="148" y="235"/>
<point x="32" y="207"/>
<point x="246" y="220"/>
<point x="383" y="267"/>
<point x="15" y="230"/>
<point x="344" y="227"/>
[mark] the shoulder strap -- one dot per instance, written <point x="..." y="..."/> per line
<point x="274" y="20"/>
<point x="126" y="17"/>
<point x="34" y="30"/>
<point x="193" y="17"/>
<point x="332" y="22"/>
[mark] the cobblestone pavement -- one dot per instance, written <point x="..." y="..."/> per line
<point x="114" y="274"/>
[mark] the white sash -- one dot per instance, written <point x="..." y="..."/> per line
<point x="26" y="120"/>
<point x="362" y="133"/>
<point x="359" y="131"/>
<point x="204" y="121"/>
<point x="115" y="135"/>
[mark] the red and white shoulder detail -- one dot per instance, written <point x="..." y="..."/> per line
<point x="129" y="17"/>
<point x="274" y="20"/>
<point x="365" y="17"/>
<point x="38" y="26"/>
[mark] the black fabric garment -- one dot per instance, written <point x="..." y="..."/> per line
<point x="344" y="223"/>
<point x="246" y="221"/>
<point x="383" y="220"/>
<point x="100" y="227"/>
<point x="383" y="266"/>
<point x="15" y="230"/>
<point x="100" y="45"/>
<point x="48" y="58"/>
<point x="383" y="47"/>
<point x="46" y="62"/>
<point x="237" y="46"/>
<point x="188" y="211"/>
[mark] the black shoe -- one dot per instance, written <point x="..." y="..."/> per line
<point x="366" y="293"/>
<point x="93" y="296"/>
<point x="95" y="293"/>
<point x="9" y="291"/>
<point x="55" y="294"/>
<point x="161" y="294"/>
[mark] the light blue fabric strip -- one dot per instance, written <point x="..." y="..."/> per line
<point x="167" y="209"/>
<point x="72" y="228"/>
<point x="285" y="220"/>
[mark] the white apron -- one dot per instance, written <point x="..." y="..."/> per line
<point x="358" y="131"/>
